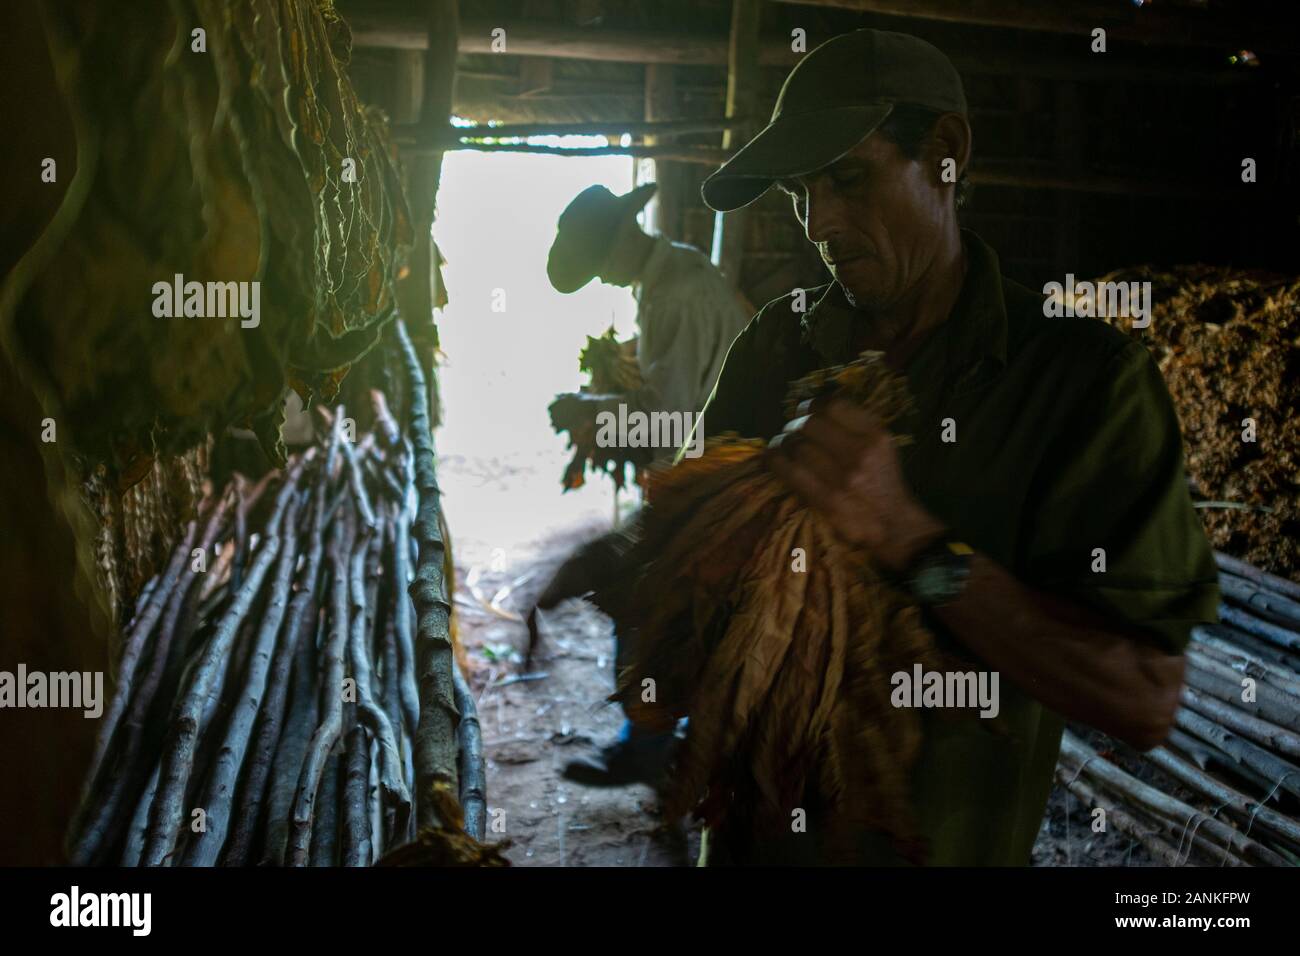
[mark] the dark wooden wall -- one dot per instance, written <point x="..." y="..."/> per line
<point x="1151" y="137"/>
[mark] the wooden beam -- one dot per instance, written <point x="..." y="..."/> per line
<point x="707" y="155"/>
<point x="743" y="87"/>
<point x="540" y="38"/>
<point x="561" y="41"/>
<point x="649" y="130"/>
<point x="536" y="75"/>
<point x="1121" y="21"/>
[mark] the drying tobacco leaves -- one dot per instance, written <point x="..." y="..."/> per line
<point x="1228" y="344"/>
<point x="222" y="143"/>
<point x="785" y="674"/>
<point x="614" y="371"/>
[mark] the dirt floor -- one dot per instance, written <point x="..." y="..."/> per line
<point x="535" y="722"/>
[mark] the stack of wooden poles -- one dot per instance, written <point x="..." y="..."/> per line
<point x="285" y="694"/>
<point x="1234" y="757"/>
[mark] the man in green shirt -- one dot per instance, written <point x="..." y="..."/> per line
<point x="1039" y="516"/>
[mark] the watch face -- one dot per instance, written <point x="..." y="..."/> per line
<point x="935" y="582"/>
<point x="941" y="576"/>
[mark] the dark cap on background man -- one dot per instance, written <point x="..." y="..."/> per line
<point x="836" y="97"/>
<point x="586" y="232"/>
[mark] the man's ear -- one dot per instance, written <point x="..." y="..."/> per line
<point x="949" y="140"/>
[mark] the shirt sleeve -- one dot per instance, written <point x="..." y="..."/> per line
<point x="1113" y="479"/>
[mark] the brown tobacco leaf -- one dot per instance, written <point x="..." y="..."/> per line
<point x="784" y="674"/>
<point x="614" y="371"/>
<point x="234" y="164"/>
<point x="1228" y="344"/>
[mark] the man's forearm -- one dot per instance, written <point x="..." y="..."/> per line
<point x="1067" y="657"/>
<point x="841" y="461"/>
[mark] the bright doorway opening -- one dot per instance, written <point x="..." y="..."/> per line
<point x="511" y="344"/>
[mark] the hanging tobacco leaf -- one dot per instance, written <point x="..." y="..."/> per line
<point x="222" y="143"/>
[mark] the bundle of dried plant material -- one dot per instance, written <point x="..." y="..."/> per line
<point x="614" y="371"/>
<point x="611" y="364"/>
<point x="784" y="673"/>
<point x="221" y="152"/>
<point x="138" y="525"/>
<point x="1228" y="344"/>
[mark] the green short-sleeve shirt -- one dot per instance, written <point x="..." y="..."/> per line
<point x="1067" y="451"/>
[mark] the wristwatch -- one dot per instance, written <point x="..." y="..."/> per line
<point x="937" y="575"/>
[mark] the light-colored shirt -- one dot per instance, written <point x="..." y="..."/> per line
<point x="688" y="316"/>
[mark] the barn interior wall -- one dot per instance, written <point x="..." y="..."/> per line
<point x="1149" y="120"/>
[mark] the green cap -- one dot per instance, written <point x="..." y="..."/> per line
<point x="832" y="100"/>
<point x="586" y="231"/>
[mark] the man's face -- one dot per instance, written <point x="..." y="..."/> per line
<point x="875" y="217"/>
<point x="620" y="266"/>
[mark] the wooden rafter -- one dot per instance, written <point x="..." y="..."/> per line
<point x="527" y="38"/>
<point x="1154" y="25"/>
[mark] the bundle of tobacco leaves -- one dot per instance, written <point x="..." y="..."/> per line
<point x="783" y="672"/>
<point x="614" y="371"/>
<point x="612" y="366"/>
<point x="221" y="143"/>
<point x="137" y="528"/>
<point x="1228" y="344"/>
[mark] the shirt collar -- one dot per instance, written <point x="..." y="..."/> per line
<point x="976" y="328"/>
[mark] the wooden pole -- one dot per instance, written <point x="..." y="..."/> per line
<point x="1256" y="816"/>
<point x="442" y="24"/>
<point x="1270" y="582"/>
<point x="436" y="753"/>
<point x="1078" y="756"/>
<point x="743" y="80"/>
<point x="1146" y="834"/>
<point x="414" y="295"/>
<point x="663" y="215"/>
<point x="1254" y="759"/>
<point x="1261" y="601"/>
<point x="442" y="27"/>
<point x="1256" y="729"/>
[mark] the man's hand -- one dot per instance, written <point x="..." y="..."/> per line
<point x="841" y="461"/>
